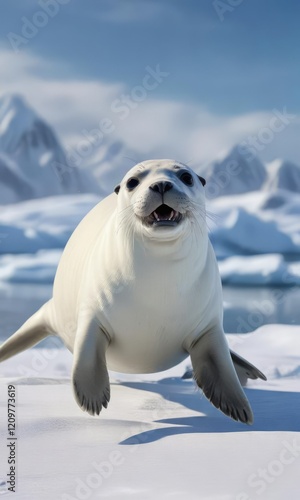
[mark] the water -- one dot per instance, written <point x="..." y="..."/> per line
<point x="18" y="302"/>
<point x="245" y="308"/>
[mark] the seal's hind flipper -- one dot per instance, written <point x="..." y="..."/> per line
<point x="35" y="329"/>
<point x="245" y="370"/>
<point x="90" y="376"/>
<point x="216" y="376"/>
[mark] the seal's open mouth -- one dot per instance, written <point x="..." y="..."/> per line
<point x="163" y="216"/>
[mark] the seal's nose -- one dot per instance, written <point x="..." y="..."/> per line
<point x="161" y="187"/>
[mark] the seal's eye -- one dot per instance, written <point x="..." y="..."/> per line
<point x="187" y="178"/>
<point x="132" y="183"/>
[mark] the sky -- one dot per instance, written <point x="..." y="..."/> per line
<point x="223" y="71"/>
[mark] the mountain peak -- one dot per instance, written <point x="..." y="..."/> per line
<point x="14" y="105"/>
<point x="16" y="119"/>
<point x="283" y="174"/>
<point x="16" y="101"/>
<point x="235" y="172"/>
<point x="239" y="152"/>
<point x="30" y="144"/>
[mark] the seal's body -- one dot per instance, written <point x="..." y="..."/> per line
<point x="138" y="290"/>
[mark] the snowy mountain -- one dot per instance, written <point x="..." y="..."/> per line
<point x="32" y="161"/>
<point x="236" y="173"/>
<point x="283" y="175"/>
<point x="13" y="184"/>
<point x="110" y="162"/>
<point x="34" y="165"/>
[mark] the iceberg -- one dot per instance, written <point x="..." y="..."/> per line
<point x="253" y="209"/>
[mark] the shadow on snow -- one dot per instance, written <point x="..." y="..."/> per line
<point x="273" y="411"/>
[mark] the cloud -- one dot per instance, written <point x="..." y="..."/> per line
<point x="69" y="105"/>
<point x="152" y="126"/>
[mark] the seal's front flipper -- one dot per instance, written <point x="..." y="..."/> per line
<point x="216" y="376"/>
<point x="245" y="370"/>
<point x="90" y="376"/>
<point x="35" y="329"/>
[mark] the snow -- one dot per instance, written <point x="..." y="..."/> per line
<point x="48" y="223"/>
<point x="269" y="269"/>
<point x="32" y="161"/>
<point x="237" y="172"/>
<point x="253" y="208"/>
<point x="256" y="236"/>
<point x="254" y="219"/>
<point x="283" y="175"/>
<point x="159" y="438"/>
<point x="110" y="162"/>
<point x="30" y="268"/>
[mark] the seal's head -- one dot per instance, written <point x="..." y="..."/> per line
<point x="164" y="197"/>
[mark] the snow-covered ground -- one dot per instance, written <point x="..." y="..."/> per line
<point x="159" y="438"/>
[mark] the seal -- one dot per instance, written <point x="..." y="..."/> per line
<point x="138" y="289"/>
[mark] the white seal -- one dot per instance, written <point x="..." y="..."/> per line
<point x="138" y="289"/>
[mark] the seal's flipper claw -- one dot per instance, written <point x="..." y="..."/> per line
<point x="90" y="376"/>
<point x="215" y="375"/>
<point x="245" y="370"/>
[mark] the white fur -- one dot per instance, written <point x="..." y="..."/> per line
<point x="154" y="290"/>
<point x="139" y="298"/>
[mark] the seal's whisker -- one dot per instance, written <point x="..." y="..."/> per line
<point x="126" y="209"/>
<point x="214" y="219"/>
<point x="212" y="215"/>
<point x="199" y="225"/>
<point x="203" y="213"/>
<point x="131" y="159"/>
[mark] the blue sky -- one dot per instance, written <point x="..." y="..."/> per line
<point x="242" y="66"/>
